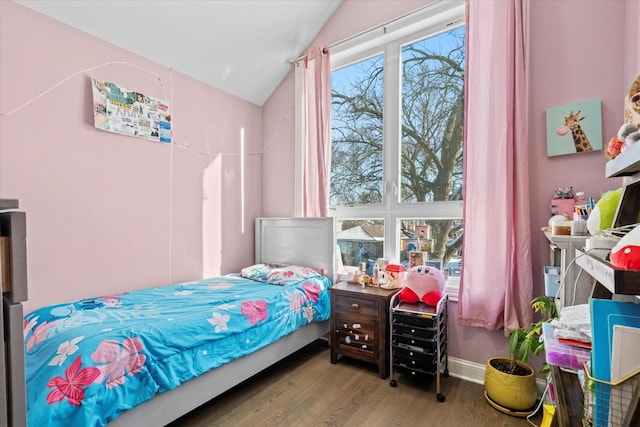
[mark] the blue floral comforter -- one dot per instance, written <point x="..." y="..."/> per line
<point x="88" y="361"/>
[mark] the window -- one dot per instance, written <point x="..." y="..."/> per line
<point x="397" y="120"/>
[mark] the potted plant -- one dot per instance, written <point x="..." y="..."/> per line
<point x="510" y="383"/>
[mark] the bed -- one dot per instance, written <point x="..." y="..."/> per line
<point x="148" y="357"/>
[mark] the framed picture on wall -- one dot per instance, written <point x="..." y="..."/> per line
<point x="574" y="128"/>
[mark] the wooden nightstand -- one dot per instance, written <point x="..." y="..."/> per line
<point x="359" y="324"/>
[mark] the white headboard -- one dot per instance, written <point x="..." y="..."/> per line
<point x="309" y="242"/>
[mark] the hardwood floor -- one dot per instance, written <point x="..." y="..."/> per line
<point x="307" y="390"/>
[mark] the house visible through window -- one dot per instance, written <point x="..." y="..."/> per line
<point x="396" y="147"/>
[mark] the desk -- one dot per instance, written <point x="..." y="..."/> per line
<point x="569" y="270"/>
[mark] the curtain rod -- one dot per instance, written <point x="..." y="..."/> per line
<point x="303" y="57"/>
<point x="371" y="30"/>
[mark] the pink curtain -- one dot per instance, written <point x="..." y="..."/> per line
<point x="316" y="132"/>
<point x="496" y="285"/>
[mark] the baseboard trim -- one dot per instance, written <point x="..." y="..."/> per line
<point x="474" y="372"/>
<point x="466" y="370"/>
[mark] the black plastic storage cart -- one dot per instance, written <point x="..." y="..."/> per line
<point x="418" y="344"/>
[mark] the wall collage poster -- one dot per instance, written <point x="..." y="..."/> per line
<point x="130" y="113"/>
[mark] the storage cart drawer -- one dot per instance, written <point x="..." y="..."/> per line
<point x="420" y="358"/>
<point x="413" y="331"/>
<point x="414" y="343"/>
<point x="416" y="373"/>
<point x="429" y="366"/>
<point x="421" y="321"/>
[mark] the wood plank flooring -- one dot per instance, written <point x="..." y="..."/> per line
<point x="307" y="390"/>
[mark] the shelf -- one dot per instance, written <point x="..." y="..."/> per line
<point x="616" y="280"/>
<point x="625" y="164"/>
<point x="563" y="241"/>
<point x="610" y="280"/>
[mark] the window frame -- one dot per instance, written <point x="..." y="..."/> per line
<point x="388" y="40"/>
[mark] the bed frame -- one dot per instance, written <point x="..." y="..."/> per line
<point x="300" y="241"/>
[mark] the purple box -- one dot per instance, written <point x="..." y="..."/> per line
<point x="563" y="355"/>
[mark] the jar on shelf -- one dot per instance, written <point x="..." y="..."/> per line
<point x="581" y="211"/>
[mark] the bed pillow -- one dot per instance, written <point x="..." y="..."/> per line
<point x="258" y="272"/>
<point x="290" y="274"/>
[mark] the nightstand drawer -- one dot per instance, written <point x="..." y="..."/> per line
<point x="357" y="324"/>
<point x="362" y="344"/>
<point x="362" y="306"/>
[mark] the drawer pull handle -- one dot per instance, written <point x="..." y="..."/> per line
<point x="354" y="305"/>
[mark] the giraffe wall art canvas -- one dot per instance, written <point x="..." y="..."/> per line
<point x="574" y="128"/>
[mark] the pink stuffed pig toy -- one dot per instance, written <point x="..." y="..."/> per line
<point x="424" y="284"/>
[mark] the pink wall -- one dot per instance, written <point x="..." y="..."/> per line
<point x="570" y="60"/>
<point x="108" y="213"/>
<point x="632" y="43"/>
<point x="584" y="52"/>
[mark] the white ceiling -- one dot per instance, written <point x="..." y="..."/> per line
<point x="242" y="47"/>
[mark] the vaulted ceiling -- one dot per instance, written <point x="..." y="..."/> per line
<point x="243" y="47"/>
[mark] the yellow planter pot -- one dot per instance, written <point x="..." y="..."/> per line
<point x="513" y="392"/>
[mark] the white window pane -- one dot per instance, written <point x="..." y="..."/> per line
<point x="433" y="242"/>
<point x="356" y="133"/>
<point x="361" y="241"/>
<point x="432" y="118"/>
